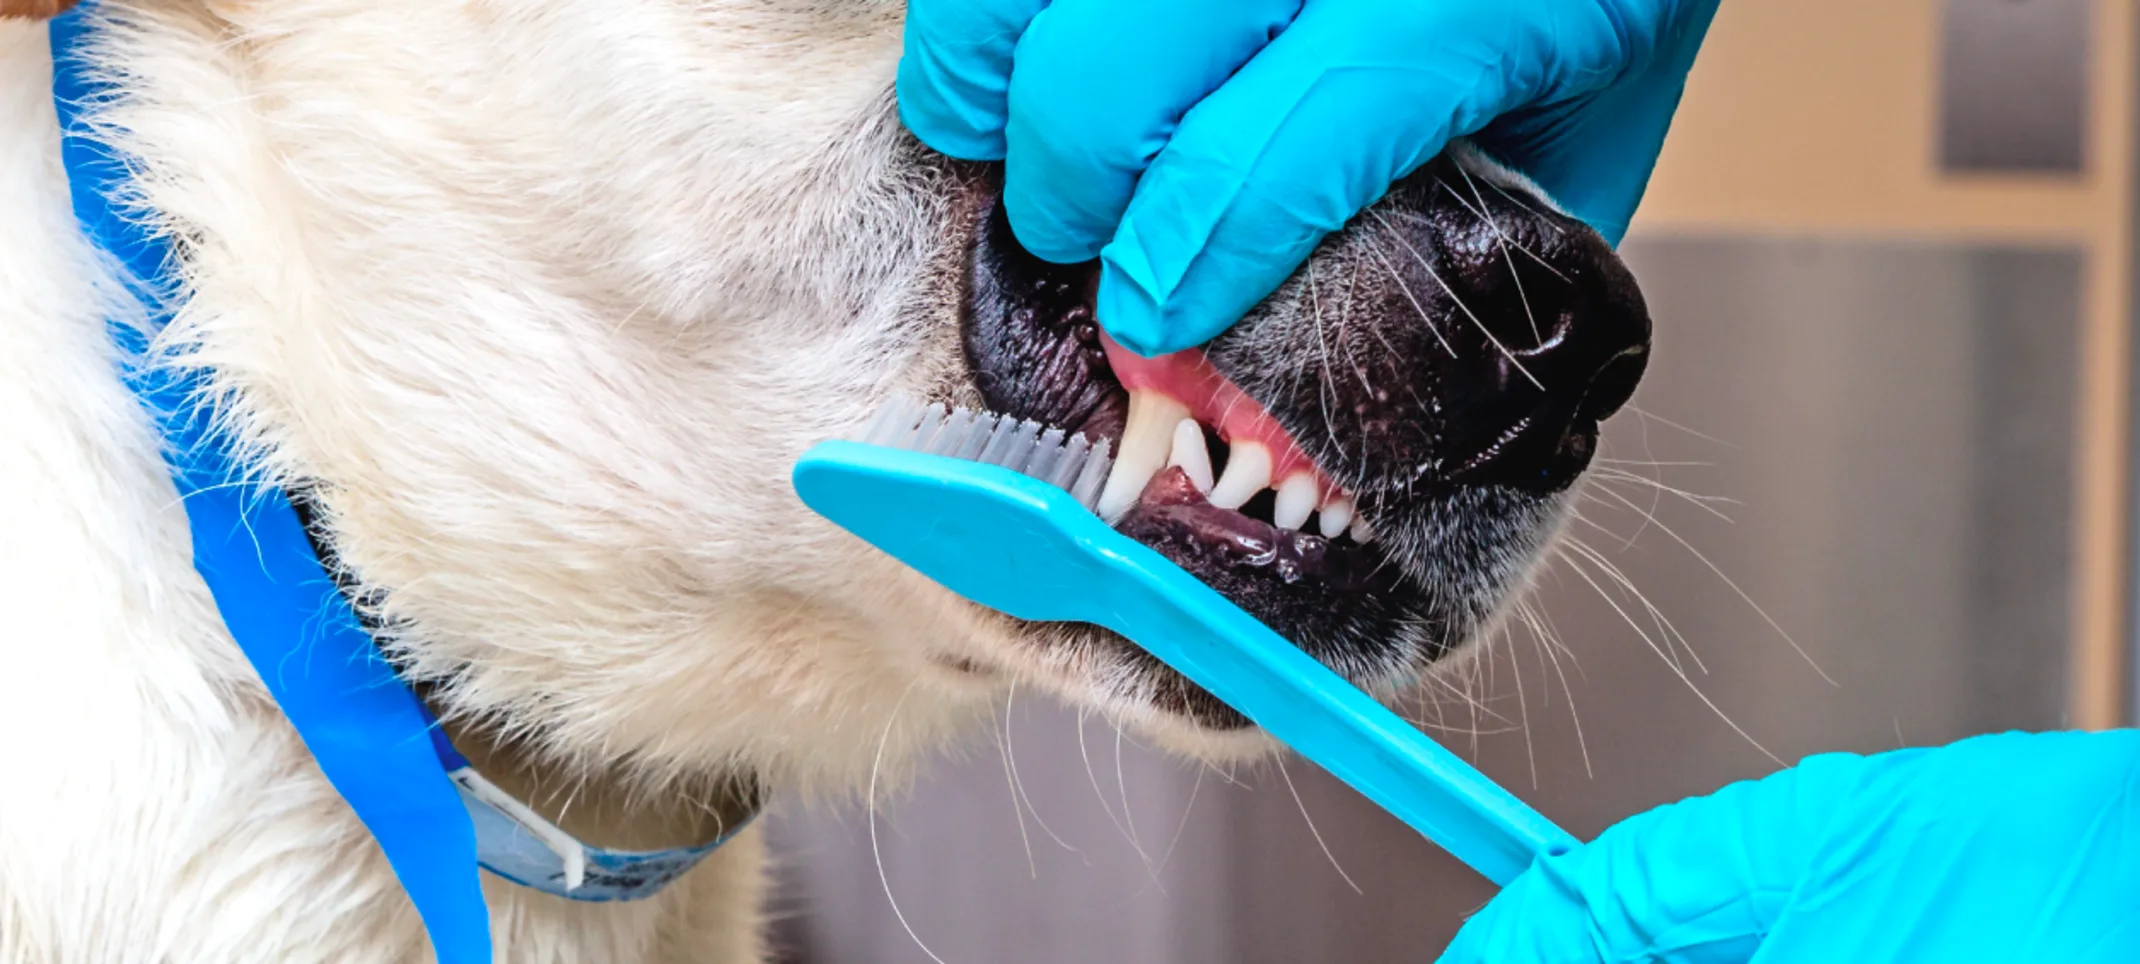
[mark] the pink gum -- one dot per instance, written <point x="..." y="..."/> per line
<point x="1188" y="378"/>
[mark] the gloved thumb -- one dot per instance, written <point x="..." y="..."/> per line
<point x="1696" y="882"/>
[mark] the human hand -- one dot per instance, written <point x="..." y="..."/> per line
<point x="1202" y="148"/>
<point x="2015" y="848"/>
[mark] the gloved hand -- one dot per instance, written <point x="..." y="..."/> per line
<point x="1201" y="148"/>
<point x="2016" y="848"/>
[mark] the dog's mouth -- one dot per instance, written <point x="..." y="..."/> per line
<point x="1203" y="472"/>
<point x="1207" y="476"/>
<point x="1369" y="469"/>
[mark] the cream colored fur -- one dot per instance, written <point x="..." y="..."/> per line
<point x="513" y="281"/>
<point x="544" y="298"/>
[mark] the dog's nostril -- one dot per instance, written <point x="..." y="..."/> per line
<point x="1614" y="384"/>
<point x="1536" y="426"/>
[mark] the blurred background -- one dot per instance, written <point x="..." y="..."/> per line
<point x="1873" y="493"/>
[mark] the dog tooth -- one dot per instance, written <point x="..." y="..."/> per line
<point x="1190" y="454"/>
<point x="1360" y="531"/>
<point x="1296" y="501"/>
<point x="1335" y="517"/>
<point x="1146" y="439"/>
<point x="1248" y="471"/>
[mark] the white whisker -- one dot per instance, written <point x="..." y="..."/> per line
<point x="875" y="851"/>
<point x="1521" y="203"/>
<point x="1668" y="423"/>
<point x="1504" y="242"/>
<point x="1542" y="630"/>
<point x="1460" y="305"/>
<point x="1463" y="695"/>
<point x="1602" y="460"/>
<point x="1101" y="795"/>
<point x="1183" y="824"/>
<point x="1676" y="670"/>
<point x="1523" y="710"/>
<point x="1010" y="778"/>
<point x="1665" y="629"/>
<point x="1010" y="756"/>
<point x="1326" y="388"/>
<point x="1472" y="183"/>
<point x="1179" y="828"/>
<point x="1317" y="834"/>
<point x="1704" y="501"/>
<point x="1728" y="581"/>
<point x="1406" y="290"/>
<point x="1129" y="820"/>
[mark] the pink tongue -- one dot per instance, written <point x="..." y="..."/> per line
<point x="1187" y="377"/>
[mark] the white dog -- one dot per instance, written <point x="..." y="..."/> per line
<point x="537" y="302"/>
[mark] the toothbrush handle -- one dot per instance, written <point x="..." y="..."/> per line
<point x="1193" y="629"/>
<point x="1027" y="549"/>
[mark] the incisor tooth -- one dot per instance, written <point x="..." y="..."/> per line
<point x="1296" y="501"/>
<point x="1360" y="532"/>
<point x="1146" y="438"/>
<point x="1248" y="471"/>
<point x="1189" y="453"/>
<point x="1335" y="517"/>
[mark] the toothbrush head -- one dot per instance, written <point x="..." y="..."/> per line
<point x="995" y="509"/>
<point x="1069" y="462"/>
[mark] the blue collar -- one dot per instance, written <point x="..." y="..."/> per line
<point x="435" y="817"/>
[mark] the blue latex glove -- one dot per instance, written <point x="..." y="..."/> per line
<point x="1201" y="148"/>
<point x="2015" y="848"/>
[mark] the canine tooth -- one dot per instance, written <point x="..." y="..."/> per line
<point x="1360" y="532"/>
<point x="1335" y="517"/>
<point x="1146" y="438"/>
<point x="1189" y="453"/>
<point x="1248" y="471"/>
<point x="1296" y="501"/>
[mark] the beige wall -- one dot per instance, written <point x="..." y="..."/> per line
<point x="1818" y="117"/>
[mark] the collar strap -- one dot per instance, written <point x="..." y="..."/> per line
<point x="520" y="845"/>
<point x="435" y="818"/>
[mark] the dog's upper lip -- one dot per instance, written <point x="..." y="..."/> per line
<point x="1184" y="413"/>
<point x="1189" y="378"/>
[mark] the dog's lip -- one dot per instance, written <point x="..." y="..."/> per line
<point x="1173" y="516"/>
<point x="1176" y="515"/>
<point x="1171" y="393"/>
<point x="1213" y="399"/>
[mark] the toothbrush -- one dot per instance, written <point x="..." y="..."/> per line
<point x="999" y="511"/>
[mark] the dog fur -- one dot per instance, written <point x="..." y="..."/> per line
<point x="538" y="301"/>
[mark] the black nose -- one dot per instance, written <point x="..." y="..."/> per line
<point x="1460" y="333"/>
<point x="1539" y="329"/>
<point x="1527" y="415"/>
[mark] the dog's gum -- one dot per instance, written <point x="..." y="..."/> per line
<point x="1173" y="517"/>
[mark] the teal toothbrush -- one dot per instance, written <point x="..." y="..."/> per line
<point x="999" y="512"/>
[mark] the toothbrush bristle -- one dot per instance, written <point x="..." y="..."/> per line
<point x="1068" y="461"/>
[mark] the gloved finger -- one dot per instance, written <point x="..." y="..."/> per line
<point x="1098" y="89"/>
<point x="1696" y="882"/>
<point x="955" y="71"/>
<point x="1594" y="154"/>
<point x="1352" y="96"/>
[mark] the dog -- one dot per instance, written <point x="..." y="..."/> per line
<point x="535" y="303"/>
